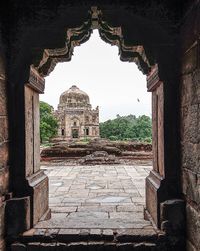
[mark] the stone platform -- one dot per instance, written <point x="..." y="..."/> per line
<point x="96" y="197"/>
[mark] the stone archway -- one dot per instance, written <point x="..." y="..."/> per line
<point x="160" y="183"/>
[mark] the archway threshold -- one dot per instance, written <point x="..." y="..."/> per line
<point x="102" y="204"/>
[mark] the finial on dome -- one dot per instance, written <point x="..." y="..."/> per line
<point x="74" y="87"/>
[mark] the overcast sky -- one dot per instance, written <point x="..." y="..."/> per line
<point x="116" y="87"/>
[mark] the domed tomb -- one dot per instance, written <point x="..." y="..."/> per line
<point x="74" y="97"/>
<point x="76" y="118"/>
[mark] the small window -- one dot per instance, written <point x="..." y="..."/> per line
<point x="74" y="123"/>
<point x="63" y="132"/>
<point x="87" y="131"/>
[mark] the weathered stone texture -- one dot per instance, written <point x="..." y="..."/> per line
<point x="190" y="126"/>
<point x="4" y="156"/>
<point x="193" y="226"/>
<point x="4" y="180"/>
<point x="191" y="185"/>
<point x="17" y="215"/>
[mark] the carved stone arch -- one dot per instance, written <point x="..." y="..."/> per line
<point x="77" y="36"/>
<point x="74" y="117"/>
<point x="160" y="183"/>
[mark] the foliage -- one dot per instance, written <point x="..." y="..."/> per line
<point x="127" y="128"/>
<point x="48" y="123"/>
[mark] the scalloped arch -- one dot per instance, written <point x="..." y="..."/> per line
<point x="79" y="35"/>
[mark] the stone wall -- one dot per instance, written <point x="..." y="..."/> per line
<point x="4" y="171"/>
<point x="190" y="124"/>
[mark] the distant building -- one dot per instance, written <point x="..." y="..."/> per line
<point x="76" y="118"/>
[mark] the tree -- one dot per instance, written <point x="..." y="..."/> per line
<point x="127" y="128"/>
<point x="48" y="123"/>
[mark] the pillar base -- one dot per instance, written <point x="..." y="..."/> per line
<point x="154" y="185"/>
<point x="39" y="187"/>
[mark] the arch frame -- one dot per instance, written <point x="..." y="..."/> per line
<point x="161" y="180"/>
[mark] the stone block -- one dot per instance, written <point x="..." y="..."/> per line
<point x="3" y="128"/>
<point x="191" y="125"/>
<point x="189" y="60"/>
<point x="2" y="215"/>
<point x="193" y="226"/>
<point x="78" y="246"/>
<point x="195" y="87"/>
<point x="108" y="234"/>
<point x="18" y="247"/>
<point x="191" y="184"/>
<point x="17" y="216"/>
<point x="4" y="154"/>
<point x="39" y="184"/>
<point x="95" y="234"/>
<point x="67" y="235"/>
<point x="190" y="246"/>
<point x="152" y="197"/>
<point x="125" y="246"/>
<point x="2" y="68"/>
<point x="84" y="234"/>
<point x="3" y="99"/>
<point x="136" y="235"/>
<point x="4" y="180"/>
<point x="190" y="156"/>
<point x="186" y="89"/>
<point x="62" y="247"/>
<point x="34" y="246"/>
<point x="173" y="213"/>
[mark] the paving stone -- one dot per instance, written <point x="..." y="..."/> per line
<point x="126" y="215"/>
<point x="82" y="196"/>
<point x="88" y="215"/>
<point x="109" y="199"/>
<point x="97" y="208"/>
<point x="63" y="209"/>
<point x="130" y="208"/>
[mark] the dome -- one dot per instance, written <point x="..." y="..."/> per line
<point x="74" y="97"/>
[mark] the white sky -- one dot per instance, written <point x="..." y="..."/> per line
<point x="113" y="85"/>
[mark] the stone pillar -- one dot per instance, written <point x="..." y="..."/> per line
<point x="154" y="180"/>
<point x="162" y="182"/>
<point x="37" y="180"/>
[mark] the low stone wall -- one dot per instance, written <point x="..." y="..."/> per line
<point x="120" y="150"/>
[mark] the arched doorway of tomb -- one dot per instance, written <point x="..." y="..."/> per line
<point x="160" y="184"/>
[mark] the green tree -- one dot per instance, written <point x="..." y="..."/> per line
<point x="48" y="123"/>
<point x="127" y="128"/>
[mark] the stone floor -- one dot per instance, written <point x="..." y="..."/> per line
<point x="96" y="197"/>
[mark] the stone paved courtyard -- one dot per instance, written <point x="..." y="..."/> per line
<point x="96" y="197"/>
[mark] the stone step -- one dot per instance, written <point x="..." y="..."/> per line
<point x="89" y="239"/>
<point x="86" y="246"/>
